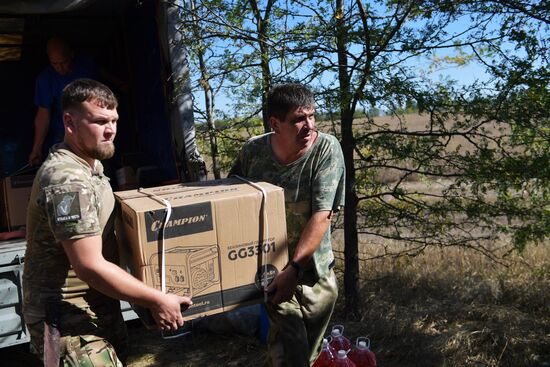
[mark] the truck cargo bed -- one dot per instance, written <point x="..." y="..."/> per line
<point x="12" y="327"/>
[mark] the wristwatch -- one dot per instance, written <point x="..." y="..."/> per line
<point x="298" y="267"/>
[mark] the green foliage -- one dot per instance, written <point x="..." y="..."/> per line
<point x="231" y="134"/>
<point x="474" y="169"/>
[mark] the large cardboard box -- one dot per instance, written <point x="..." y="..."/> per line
<point x="14" y="198"/>
<point x="220" y="242"/>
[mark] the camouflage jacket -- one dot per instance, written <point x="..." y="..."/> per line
<point x="313" y="183"/>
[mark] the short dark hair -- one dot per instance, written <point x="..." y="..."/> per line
<point x="58" y="43"/>
<point x="285" y="97"/>
<point x="81" y="90"/>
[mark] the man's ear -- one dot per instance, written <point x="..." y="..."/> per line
<point x="68" y="121"/>
<point x="274" y="123"/>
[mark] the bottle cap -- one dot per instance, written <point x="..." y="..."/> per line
<point x="363" y="342"/>
<point x="341" y="354"/>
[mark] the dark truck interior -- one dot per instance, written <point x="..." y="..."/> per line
<point x="122" y="38"/>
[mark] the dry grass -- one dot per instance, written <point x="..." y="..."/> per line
<point x="444" y="307"/>
<point x="415" y="123"/>
<point x="455" y="307"/>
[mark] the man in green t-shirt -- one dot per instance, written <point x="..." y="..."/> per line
<point x="309" y="166"/>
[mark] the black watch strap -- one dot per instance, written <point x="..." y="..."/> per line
<point x="298" y="267"/>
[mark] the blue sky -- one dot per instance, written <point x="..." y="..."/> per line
<point x="463" y="75"/>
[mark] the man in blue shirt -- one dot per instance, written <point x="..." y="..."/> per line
<point x="64" y="68"/>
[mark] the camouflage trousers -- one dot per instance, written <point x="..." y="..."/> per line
<point x="76" y="351"/>
<point x="297" y="327"/>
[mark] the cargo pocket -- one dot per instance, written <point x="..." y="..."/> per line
<point x="90" y="351"/>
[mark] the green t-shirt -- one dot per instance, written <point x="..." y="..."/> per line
<point x="314" y="182"/>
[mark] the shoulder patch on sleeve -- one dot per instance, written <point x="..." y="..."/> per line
<point x="66" y="207"/>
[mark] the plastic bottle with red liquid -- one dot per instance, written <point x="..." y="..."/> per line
<point x="342" y="360"/>
<point x="361" y="355"/>
<point x="326" y="357"/>
<point x="337" y="339"/>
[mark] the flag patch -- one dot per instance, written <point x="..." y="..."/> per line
<point x="67" y="207"/>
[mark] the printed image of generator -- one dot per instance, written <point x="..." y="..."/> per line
<point x="190" y="270"/>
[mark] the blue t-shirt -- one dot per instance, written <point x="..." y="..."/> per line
<point x="50" y="84"/>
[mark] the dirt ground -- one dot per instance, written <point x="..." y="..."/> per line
<point x="199" y="348"/>
<point x="147" y="348"/>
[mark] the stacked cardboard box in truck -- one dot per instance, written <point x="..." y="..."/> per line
<point x="219" y="245"/>
<point x="15" y="192"/>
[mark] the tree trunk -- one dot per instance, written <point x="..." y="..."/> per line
<point x="209" y="103"/>
<point x="266" y="82"/>
<point x="262" y="25"/>
<point x="208" y="99"/>
<point x="209" y="107"/>
<point x="351" y="270"/>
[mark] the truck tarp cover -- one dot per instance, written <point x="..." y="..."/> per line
<point x="41" y="6"/>
<point x="175" y="75"/>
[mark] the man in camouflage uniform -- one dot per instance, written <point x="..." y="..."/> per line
<point x="309" y="165"/>
<point x="71" y="284"/>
